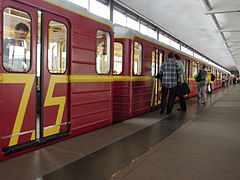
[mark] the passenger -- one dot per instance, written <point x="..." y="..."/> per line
<point x="227" y="80"/>
<point x="209" y="81"/>
<point x="201" y="86"/>
<point x="170" y="71"/>
<point x="14" y="49"/>
<point x="234" y="80"/>
<point x="181" y="80"/>
<point x="223" y="81"/>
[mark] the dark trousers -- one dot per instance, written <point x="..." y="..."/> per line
<point x="171" y="98"/>
<point x="181" y="101"/>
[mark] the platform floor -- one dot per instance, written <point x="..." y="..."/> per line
<point x="202" y="143"/>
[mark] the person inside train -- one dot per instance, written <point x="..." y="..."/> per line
<point x="201" y="85"/>
<point x="14" y="49"/>
<point x="170" y="71"/>
<point x="181" y="80"/>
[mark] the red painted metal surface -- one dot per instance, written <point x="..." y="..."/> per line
<point x="122" y="91"/>
<point x="12" y="93"/>
<point x="88" y="104"/>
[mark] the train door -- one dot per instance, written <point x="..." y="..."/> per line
<point x="157" y="58"/>
<point x="54" y="76"/>
<point x="18" y="60"/>
<point x="34" y="82"/>
<point x="187" y="70"/>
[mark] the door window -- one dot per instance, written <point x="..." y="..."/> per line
<point x="118" y="58"/>
<point x="103" y="57"/>
<point x="194" y="68"/>
<point x="57" y="47"/>
<point x="137" y="58"/>
<point x="16" y="40"/>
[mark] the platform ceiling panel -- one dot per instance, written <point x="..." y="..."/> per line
<point x="192" y="22"/>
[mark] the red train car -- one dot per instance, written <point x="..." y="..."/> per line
<point x="137" y="59"/>
<point x="55" y="73"/>
<point x="136" y="91"/>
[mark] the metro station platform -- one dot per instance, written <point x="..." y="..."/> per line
<point x="200" y="144"/>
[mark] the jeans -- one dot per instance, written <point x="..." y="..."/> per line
<point x="202" y="87"/>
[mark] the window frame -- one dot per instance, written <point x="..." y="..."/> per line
<point x="30" y="60"/>
<point x="195" y="66"/>
<point x="122" y="58"/>
<point x="141" y="59"/>
<point x="110" y="52"/>
<point x="67" y="39"/>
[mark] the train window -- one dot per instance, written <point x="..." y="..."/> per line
<point x="137" y="58"/>
<point x="155" y="61"/>
<point x="16" y="40"/>
<point x="57" y="47"/>
<point x="103" y="44"/>
<point x="187" y="67"/>
<point x="194" y="68"/>
<point x="118" y="58"/>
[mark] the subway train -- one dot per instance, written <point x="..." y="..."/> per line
<point x="65" y="72"/>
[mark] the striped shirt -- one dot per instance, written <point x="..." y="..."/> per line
<point x="170" y="70"/>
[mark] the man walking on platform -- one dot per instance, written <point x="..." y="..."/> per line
<point x="170" y="71"/>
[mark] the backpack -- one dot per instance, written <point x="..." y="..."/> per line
<point x="212" y="77"/>
<point x="199" y="77"/>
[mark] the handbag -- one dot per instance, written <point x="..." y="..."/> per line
<point x="183" y="89"/>
<point x="159" y="76"/>
<point x="209" y="87"/>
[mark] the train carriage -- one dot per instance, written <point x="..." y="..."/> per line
<point x="137" y="59"/>
<point x="135" y="89"/>
<point x="65" y="71"/>
<point x="59" y="83"/>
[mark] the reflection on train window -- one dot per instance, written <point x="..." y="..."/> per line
<point x="137" y="58"/>
<point x="194" y="68"/>
<point x="103" y="43"/>
<point x="187" y="67"/>
<point x="118" y="58"/>
<point x="156" y="61"/>
<point x="16" y="40"/>
<point x="57" y="47"/>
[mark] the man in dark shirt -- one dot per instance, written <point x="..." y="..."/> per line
<point x="170" y="70"/>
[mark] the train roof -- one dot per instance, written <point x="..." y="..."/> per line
<point x="79" y="10"/>
<point x="124" y="32"/>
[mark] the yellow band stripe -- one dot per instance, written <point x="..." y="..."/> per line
<point x="100" y="78"/>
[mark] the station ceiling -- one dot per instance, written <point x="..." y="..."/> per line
<point x="211" y="27"/>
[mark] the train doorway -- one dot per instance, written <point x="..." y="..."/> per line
<point x="35" y="77"/>
<point x="157" y="59"/>
<point x="187" y="70"/>
<point x="52" y="74"/>
<point x="18" y="70"/>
